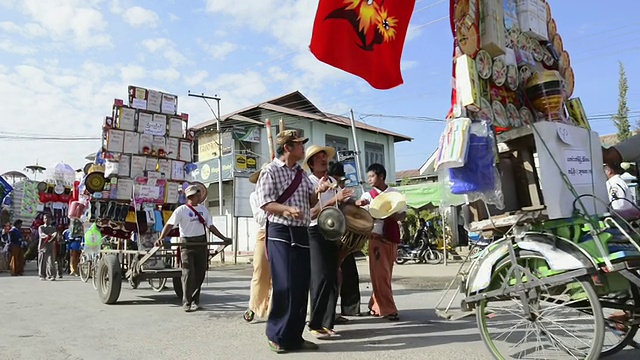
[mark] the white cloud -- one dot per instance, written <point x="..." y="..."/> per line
<point x="168" y="74"/>
<point x="289" y="21"/>
<point x="132" y="73"/>
<point x="15" y="48"/>
<point x="221" y="50"/>
<point x="63" y="20"/>
<point x="52" y="98"/>
<point x="173" y="17"/>
<point x="167" y="48"/>
<point x="408" y="64"/>
<point x="196" y="78"/>
<point x="140" y="17"/>
<point x="10" y="27"/>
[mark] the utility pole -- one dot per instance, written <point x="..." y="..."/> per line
<point x="217" y="117"/>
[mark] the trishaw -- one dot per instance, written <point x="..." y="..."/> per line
<point x="553" y="288"/>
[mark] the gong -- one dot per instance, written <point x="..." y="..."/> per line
<point x="332" y="224"/>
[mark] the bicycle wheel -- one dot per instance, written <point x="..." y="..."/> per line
<point x="618" y="311"/>
<point x="84" y="268"/>
<point x="94" y="274"/>
<point x="509" y="332"/>
<point x="157" y="284"/>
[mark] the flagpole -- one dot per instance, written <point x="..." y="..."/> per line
<point x="357" y="150"/>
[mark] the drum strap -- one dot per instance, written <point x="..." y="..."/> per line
<point x="288" y="192"/>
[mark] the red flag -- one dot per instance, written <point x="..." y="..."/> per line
<point x="363" y="37"/>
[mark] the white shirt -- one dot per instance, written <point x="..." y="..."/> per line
<point x="618" y="189"/>
<point x="188" y="222"/>
<point x="378" y="225"/>
<point x="258" y="214"/>
<point x="325" y="197"/>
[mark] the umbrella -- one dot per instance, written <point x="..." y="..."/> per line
<point x="64" y="173"/>
<point x="14" y="175"/>
<point x="35" y="169"/>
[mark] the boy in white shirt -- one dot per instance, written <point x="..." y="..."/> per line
<point x="193" y="220"/>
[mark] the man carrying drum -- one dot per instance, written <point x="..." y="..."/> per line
<point x="348" y="277"/>
<point x="259" y="303"/>
<point x="287" y="195"/>
<point x="323" y="252"/>
<point x="383" y="245"/>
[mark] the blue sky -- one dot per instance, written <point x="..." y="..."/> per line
<point x="63" y="62"/>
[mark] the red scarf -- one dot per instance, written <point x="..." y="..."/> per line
<point x="390" y="229"/>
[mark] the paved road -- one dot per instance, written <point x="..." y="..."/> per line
<point x="65" y="320"/>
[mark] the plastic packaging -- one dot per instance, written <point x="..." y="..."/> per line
<point x="454" y="143"/>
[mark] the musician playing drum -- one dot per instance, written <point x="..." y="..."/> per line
<point x="348" y="277"/>
<point x="323" y="252"/>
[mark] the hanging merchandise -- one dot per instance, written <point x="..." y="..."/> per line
<point x="137" y="170"/>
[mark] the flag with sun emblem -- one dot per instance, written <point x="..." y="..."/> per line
<point x="363" y="37"/>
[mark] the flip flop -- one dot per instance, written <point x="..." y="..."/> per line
<point x="392" y="317"/>
<point x="373" y="313"/>
<point x="341" y="320"/>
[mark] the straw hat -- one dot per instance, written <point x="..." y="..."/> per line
<point x="256" y="175"/>
<point x="314" y="149"/>
<point x="387" y="204"/>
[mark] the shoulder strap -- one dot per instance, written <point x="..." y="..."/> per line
<point x="200" y="218"/>
<point x="297" y="180"/>
<point x="374" y="193"/>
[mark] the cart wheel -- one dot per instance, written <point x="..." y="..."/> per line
<point x="565" y="317"/>
<point x="248" y="315"/>
<point x="158" y="284"/>
<point x="177" y="287"/>
<point x="109" y="279"/>
<point x="134" y="282"/>
<point x="619" y="333"/>
<point x="400" y="257"/>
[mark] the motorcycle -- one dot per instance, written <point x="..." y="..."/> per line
<point x="421" y="254"/>
<point x="477" y="243"/>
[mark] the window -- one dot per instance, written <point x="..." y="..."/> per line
<point x="373" y="153"/>
<point x="337" y="142"/>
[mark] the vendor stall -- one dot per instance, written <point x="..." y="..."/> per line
<point x="518" y="146"/>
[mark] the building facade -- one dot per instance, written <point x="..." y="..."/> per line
<point x="244" y="147"/>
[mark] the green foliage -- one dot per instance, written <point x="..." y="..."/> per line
<point x="621" y="119"/>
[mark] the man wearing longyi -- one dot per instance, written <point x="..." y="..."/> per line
<point x="384" y="241"/>
<point x="323" y="252"/>
<point x="287" y="195"/>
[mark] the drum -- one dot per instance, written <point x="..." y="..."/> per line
<point x="359" y="228"/>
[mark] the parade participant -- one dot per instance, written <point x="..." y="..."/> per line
<point x="382" y="248"/>
<point x="74" y="236"/>
<point x="60" y="254"/>
<point x="348" y="277"/>
<point x="288" y="196"/>
<point x="259" y="299"/>
<point x="620" y="197"/>
<point x="46" y="250"/>
<point x="193" y="220"/>
<point x="16" y="249"/>
<point x="4" y="247"/>
<point x="323" y="253"/>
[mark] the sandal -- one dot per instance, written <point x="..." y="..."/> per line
<point x="276" y="348"/>
<point x="392" y="317"/>
<point x="341" y="320"/>
<point x="373" y="313"/>
<point x="320" y="334"/>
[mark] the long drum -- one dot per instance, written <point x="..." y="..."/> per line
<point x="359" y="227"/>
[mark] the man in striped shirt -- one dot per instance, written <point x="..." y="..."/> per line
<point x="287" y="195"/>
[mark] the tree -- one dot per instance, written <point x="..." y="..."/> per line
<point x="621" y="119"/>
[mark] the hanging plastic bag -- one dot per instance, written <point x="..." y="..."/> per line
<point x="454" y="144"/>
<point x="92" y="240"/>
